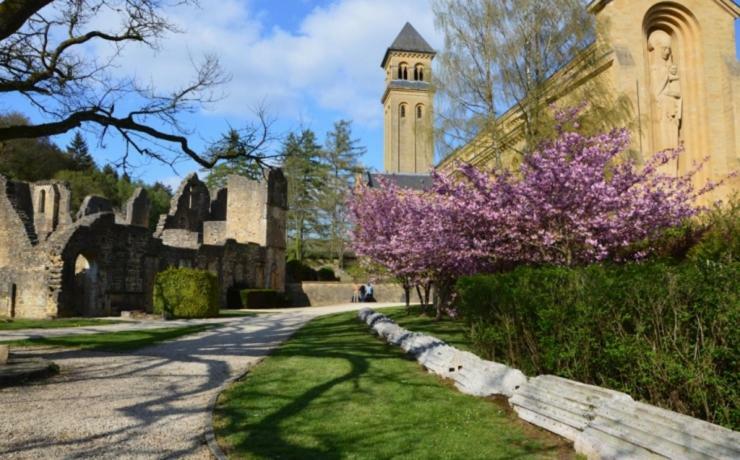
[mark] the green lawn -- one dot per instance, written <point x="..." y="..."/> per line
<point x="233" y="313"/>
<point x="452" y="331"/>
<point x="335" y="391"/>
<point x="113" y="341"/>
<point x="15" y="324"/>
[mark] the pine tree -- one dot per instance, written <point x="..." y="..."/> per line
<point x="232" y="145"/>
<point x="341" y="157"/>
<point x="79" y="153"/>
<point x="306" y="175"/>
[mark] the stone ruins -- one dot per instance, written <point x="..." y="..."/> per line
<point x="104" y="261"/>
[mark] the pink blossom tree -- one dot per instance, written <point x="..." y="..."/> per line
<point x="575" y="200"/>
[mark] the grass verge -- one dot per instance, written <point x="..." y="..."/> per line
<point x="235" y="313"/>
<point x="113" y="341"/>
<point x="335" y="391"/>
<point x="7" y="324"/>
<point x="451" y="330"/>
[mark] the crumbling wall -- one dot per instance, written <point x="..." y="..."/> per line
<point x="21" y="271"/>
<point x="103" y="263"/>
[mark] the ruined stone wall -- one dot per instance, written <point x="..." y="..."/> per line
<point x="105" y="262"/>
<point x="22" y="283"/>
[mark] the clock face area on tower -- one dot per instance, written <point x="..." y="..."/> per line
<point x="408" y="104"/>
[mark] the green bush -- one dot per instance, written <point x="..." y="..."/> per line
<point x="326" y="274"/>
<point x="186" y="293"/>
<point x="296" y="271"/>
<point x="664" y="333"/>
<point x="262" y="298"/>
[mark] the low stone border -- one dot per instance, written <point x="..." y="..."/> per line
<point x="601" y="423"/>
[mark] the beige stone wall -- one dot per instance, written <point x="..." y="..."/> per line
<point x="704" y="52"/>
<point x="246" y="212"/>
<point x="316" y="294"/>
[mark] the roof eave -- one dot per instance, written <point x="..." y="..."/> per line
<point x="393" y="50"/>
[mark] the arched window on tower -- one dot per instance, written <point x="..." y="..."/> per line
<point x="403" y="71"/>
<point x="419" y="72"/>
<point x="419" y="111"/>
<point x="402" y="111"/>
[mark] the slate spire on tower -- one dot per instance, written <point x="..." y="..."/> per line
<point x="409" y="40"/>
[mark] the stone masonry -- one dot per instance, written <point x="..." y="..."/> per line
<point x="102" y="263"/>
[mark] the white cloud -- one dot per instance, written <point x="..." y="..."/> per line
<point x="331" y="61"/>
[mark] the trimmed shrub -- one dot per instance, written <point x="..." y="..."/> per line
<point x="664" y="333"/>
<point x="297" y="271"/>
<point x="262" y="298"/>
<point x="326" y="274"/>
<point x="186" y="293"/>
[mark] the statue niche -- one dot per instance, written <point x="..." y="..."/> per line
<point x="666" y="91"/>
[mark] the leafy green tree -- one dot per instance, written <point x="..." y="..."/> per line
<point x="341" y="158"/>
<point x="305" y="173"/>
<point x="501" y="54"/>
<point x="29" y="159"/>
<point x="79" y="154"/>
<point x="232" y="146"/>
<point x="160" y="196"/>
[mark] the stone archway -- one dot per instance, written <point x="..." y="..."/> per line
<point x="86" y="285"/>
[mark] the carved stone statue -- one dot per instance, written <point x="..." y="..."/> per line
<point x="666" y="84"/>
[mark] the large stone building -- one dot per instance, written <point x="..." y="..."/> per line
<point x="675" y="63"/>
<point x="103" y="262"/>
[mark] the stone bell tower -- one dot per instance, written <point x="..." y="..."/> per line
<point x="407" y="103"/>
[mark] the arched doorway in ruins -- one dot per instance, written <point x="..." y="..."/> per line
<point x="86" y="285"/>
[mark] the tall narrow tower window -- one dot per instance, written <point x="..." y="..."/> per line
<point x="419" y="72"/>
<point x="42" y="201"/>
<point x="403" y="71"/>
<point x="402" y="111"/>
<point x="419" y="111"/>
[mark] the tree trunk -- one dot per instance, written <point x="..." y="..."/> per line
<point x="421" y="299"/>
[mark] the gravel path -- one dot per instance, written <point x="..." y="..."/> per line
<point x="151" y="403"/>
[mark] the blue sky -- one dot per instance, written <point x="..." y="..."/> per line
<point x="310" y="63"/>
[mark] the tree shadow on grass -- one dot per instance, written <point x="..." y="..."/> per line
<point x="243" y="432"/>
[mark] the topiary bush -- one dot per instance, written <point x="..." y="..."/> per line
<point x="326" y="274"/>
<point x="186" y="293"/>
<point x="262" y="298"/>
<point x="664" y="333"/>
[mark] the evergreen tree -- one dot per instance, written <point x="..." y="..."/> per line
<point x="79" y="153"/>
<point x="305" y="174"/>
<point x="29" y="159"/>
<point x="341" y="157"/>
<point x="232" y="145"/>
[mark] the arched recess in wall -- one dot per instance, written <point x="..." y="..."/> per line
<point x="419" y="111"/>
<point x="86" y="285"/>
<point x="419" y="72"/>
<point x="675" y="83"/>
<point x="403" y="71"/>
<point x="402" y="110"/>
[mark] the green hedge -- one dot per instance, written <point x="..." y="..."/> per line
<point x="186" y="293"/>
<point x="296" y="271"/>
<point x="326" y="274"/>
<point x="262" y="298"/>
<point x="664" y="333"/>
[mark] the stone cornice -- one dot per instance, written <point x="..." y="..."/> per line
<point x="597" y="5"/>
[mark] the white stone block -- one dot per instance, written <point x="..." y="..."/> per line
<point x="479" y="377"/>
<point x="560" y="405"/>
<point x="637" y="427"/>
